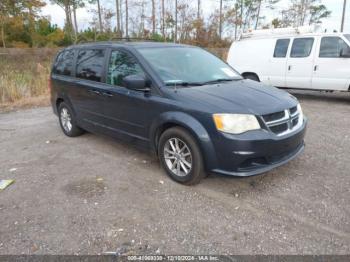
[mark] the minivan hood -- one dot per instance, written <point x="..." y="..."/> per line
<point x="241" y="96"/>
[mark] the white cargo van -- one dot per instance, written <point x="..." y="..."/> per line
<point x="319" y="61"/>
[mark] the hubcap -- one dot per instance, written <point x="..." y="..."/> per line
<point x="66" y="120"/>
<point x="178" y="157"/>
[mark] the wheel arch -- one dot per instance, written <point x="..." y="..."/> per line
<point x="66" y="100"/>
<point x="59" y="101"/>
<point x="193" y="126"/>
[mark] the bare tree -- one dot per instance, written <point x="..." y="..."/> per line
<point x="175" y="36"/>
<point x="98" y="12"/>
<point x="198" y="9"/>
<point x="163" y="19"/>
<point x="66" y="6"/>
<point x="117" y="16"/>
<point x="126" y="18"/>
<point x="301" y="10"/>
<point x="220" y="19"/>
<point x="343" y="17"/>
<point x="258" y="14"/>
<point x="153" y="17"/>
<point x="99" y="15"/>
<point x="121" y="18"/>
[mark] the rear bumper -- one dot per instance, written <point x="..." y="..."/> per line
<point x="257" y="152"/>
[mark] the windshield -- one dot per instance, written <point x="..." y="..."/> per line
<point x="188" y="65"/>
<point x="347" y="37"/>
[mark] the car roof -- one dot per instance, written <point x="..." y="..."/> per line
<point x="274" y="36"/>
<point x="136" y="45"/>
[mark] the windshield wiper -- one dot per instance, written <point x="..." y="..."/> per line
<point x="220" y="80"/>
<point x="184" y="83"/>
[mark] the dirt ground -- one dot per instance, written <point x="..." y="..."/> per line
<point x="91" y="194"/>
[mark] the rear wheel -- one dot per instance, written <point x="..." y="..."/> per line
<point x="253" y="77"/>
<point x="68" y="121"/>
<point x="180" y="156"/>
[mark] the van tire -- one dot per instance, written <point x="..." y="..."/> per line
<point x="251" y="76"/>
<point x="196" y="173"/>
<point x="65" y="113"/>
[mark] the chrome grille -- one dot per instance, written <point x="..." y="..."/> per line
<point x="283" y="122"/>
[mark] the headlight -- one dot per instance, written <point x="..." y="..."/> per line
<point x="235" y="123"/>
<point x="301" y="116"/>
<point x="299" y="109"/>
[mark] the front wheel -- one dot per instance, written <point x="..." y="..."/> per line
<point x="68" y="121"/>
<point x="180" y="156"/>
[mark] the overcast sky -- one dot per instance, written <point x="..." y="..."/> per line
<point x="332" y="23"/>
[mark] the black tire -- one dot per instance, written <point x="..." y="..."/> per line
<point x="196" y="173"/>
<point x="253" y="77"/>
<point x="75" y="130"/>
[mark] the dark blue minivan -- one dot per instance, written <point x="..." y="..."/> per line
<point x="183" y="103"/>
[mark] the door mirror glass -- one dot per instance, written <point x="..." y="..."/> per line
<point x="135" y="82"/>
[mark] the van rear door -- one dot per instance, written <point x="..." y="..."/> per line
<point x="300" y="63"/>
<point x="331" y="71"/>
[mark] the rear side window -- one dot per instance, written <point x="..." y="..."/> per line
<point x="122" y="64"/>
<point x="331" y="46"/>
<point x="302" y="47"/>
<point x="90" y="64"/>
<point x="64" y="63"/>
<point x="281" y="48"/>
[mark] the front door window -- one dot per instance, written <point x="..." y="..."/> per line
<point x="122" y="64"/>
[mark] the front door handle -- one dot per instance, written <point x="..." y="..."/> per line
<point x="94" y="91"/>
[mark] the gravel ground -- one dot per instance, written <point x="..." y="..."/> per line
<point x="91" y="194"/>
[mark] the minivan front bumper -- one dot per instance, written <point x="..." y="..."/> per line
<point x="257" y="152"/>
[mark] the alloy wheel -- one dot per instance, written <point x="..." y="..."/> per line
<point x="66" y="120"/>
<point x="178" y="157"/>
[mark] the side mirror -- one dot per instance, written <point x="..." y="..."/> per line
<point x="345" y="52"/>
<point x="136" y="82"/>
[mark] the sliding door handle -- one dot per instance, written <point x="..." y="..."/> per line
<point x="289" y="67"/>
<point x="315" y="67"/>
<point x="94" y="91"/>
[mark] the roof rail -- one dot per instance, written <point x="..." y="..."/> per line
<point x="130" y="39"/>
<point x="121" y="39"/>
<point x="281" y="31"/>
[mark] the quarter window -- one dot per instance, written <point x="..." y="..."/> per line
<point x="281" y="48"/>
<point x="302" y="47"/>
<point x="121" y="64"/>
<point x="64" y="63"/>
<point x="90" y="64"/>
<point x="331" y="46"/>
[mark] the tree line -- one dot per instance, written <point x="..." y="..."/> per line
<point x="22" y="24"/>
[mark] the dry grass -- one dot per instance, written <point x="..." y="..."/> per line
<point x="29" y="102"/>
<point x="24" y="75"/>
